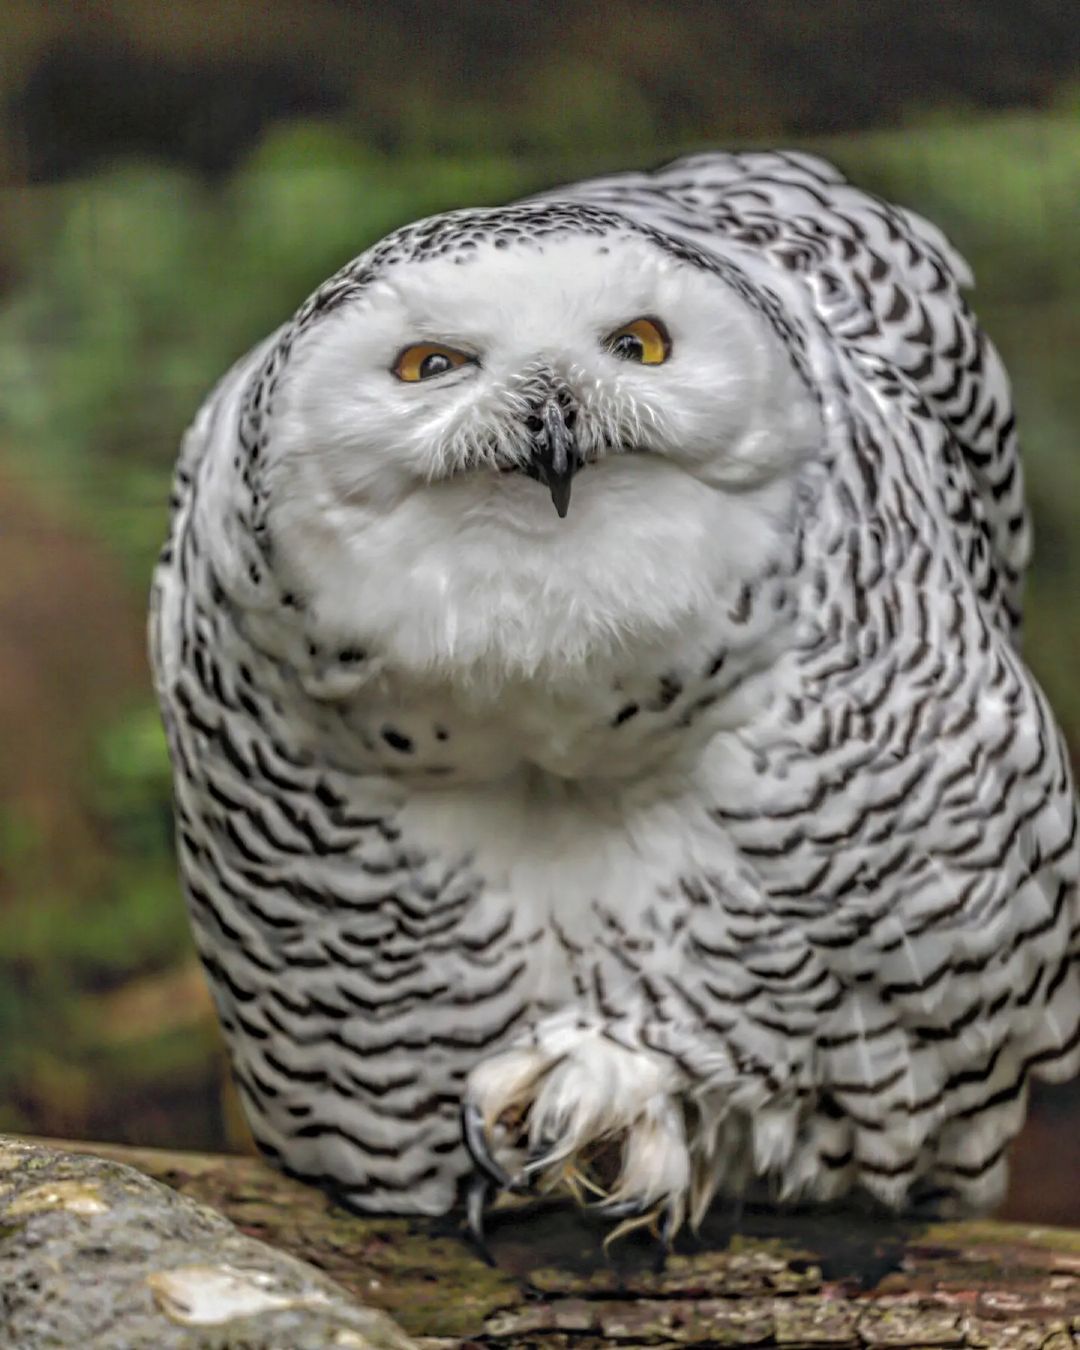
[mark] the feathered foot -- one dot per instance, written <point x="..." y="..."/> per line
<point x="572" y="1109"/>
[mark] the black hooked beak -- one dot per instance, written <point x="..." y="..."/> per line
<point x="554" y="457"/>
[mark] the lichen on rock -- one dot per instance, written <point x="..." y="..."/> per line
<point x="95" y="1255"/>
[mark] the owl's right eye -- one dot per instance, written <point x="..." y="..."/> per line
<point x="426" y="360"/>
<point x="645" y="341"/>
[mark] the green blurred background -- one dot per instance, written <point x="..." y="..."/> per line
<point x="174" y="180"/>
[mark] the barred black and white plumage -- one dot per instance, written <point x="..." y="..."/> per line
<point x="719" y="822"/>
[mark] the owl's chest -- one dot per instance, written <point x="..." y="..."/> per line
<point x="618" y="726"/>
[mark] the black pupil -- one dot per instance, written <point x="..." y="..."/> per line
<point x="435" y="364"/>
<point x="629" y="347"/>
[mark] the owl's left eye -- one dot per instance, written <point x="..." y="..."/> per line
<point x="643" y="340"/>
<point x="425" y="360"/>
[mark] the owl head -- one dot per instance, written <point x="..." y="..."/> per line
<point x="542" y="418"/>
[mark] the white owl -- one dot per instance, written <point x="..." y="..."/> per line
<point x="587" y="647"/>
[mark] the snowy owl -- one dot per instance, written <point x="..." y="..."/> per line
<point x="604" y="763"/>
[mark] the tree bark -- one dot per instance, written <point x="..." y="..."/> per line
<point x="839" y="1279"/>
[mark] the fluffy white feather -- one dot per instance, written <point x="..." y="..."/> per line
<point x="712" y="837"/>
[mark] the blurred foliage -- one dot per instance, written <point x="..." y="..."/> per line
<point x="137" y="288"/>
<point x="143" y="285"/>
<point x="198" y="82"/>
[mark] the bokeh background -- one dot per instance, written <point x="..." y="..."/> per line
<point x="174" y="178"/>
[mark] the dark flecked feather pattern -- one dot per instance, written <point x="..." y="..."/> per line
<point x="856" y="995"/>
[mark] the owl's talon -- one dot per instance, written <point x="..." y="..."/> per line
<point x="620" y="1209"/>
<point x="581" y="1114"/>
<point x="665" y="1239"/>
<point x="479" y="1193"/>
<point x="538" y="1162"/>
<point x="475" y="1136"/>
<point x="539" y="1154"/>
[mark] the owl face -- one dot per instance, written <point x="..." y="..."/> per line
<point x="528" y="413"/>
<point x="531" y="366"/>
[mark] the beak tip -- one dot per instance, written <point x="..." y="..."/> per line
<point x="560" y="496"/>
<point x="555" y="457"/>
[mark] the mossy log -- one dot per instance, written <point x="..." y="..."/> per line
<point x="791" y="1279"/>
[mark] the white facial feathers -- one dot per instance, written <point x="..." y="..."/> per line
<point x="727" y="405"/>
<point x="373" y="481"/>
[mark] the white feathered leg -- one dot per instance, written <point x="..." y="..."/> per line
<point x="570" y="1106"/>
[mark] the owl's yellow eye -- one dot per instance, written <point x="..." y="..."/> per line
<point x="644" y="340"/>
<point x="425" y="360"/>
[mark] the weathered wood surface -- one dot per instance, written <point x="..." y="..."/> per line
<point x="792" y="1280"/>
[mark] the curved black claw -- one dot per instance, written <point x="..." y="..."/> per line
<point x="665" y="1229"/>
<point x="539" y="1160"/>
<point x="665" y="1237"/>
<point x="480" y="1192"/>
<point x="475" y="1137"/>
<point x="620" y="1209"/>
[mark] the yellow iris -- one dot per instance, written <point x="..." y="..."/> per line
<point x="425" y="360"/>
<point x="644" y="340"/>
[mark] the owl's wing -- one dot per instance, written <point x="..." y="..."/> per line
<point x="912" y="820"/>
<point x="887" y="285"/>
<point x="329" y="930"/>
<point x="170" y="576"/>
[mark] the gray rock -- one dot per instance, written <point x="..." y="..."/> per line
<point x="95" y="1255"/>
